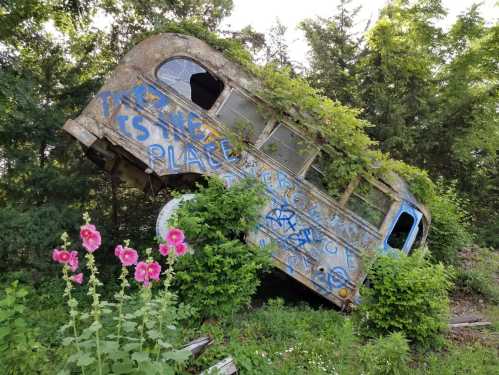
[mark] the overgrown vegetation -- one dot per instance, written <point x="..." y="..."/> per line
<point x="406" y="294"/>
<point x="221" y="275"/>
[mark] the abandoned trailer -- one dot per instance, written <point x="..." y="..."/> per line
<point x="166" y="116"/>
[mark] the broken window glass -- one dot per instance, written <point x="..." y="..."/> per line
<point x="192" y="81"/>
<point x="289" y="148"/>
<point x="369" y="202"/>
<point x="401" y="231"/>
<point x="242" y="116"/>
<point x="323" y="173"/>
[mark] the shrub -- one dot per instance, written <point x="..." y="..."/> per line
<point x="220" y="276"/>
<point x="407" y="294"/>
<point x="449" y="230"/>
<point x="385" y="355"/>
<point x="20" y="350"/>
<point x="477" y="273"/>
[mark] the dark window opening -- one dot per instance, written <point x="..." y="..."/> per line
<point x="401" y="231"/>
<point x="192" y="81"/>
<point x="369" y="202"/>
<point x="242" y="116"/>
<point x="289" y="148"/>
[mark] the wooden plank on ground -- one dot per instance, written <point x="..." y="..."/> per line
<point x="197" y="346"/>
<point x="224" y="367"/>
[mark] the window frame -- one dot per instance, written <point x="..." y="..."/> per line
<point x="377" y="185"/>
<point x="216" y="104"/>
<point x="227" y="93"/>
<point x="410" y="209"/>
<point x="308" y="162"/>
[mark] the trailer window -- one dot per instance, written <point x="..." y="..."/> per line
<point x="369" y="202"/>
<point x="401" y="231"/>
<point x="289" y="148"/>
<point x="192" y="81"/>
<point x="241" y="115"/>
<point x="323" y="175"/>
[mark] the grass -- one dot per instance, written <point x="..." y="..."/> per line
<point x="280" y="339"/>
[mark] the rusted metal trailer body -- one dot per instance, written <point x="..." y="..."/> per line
<point x="165" y="115"/>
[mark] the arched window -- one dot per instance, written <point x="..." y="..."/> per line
<point x="191" y="80"/>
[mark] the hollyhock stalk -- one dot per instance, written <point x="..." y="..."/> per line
<point x="121" y="295"/>
<point x="93" y="283"/>
<point x="166" y="295"/>
<point x="72" y="302"/>
<point x="146" y="295"/>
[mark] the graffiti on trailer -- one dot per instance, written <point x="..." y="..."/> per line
<point x="173" y="127"/>
<point x="178" y="139"/>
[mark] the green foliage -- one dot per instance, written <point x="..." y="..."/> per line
<point x="477" y="273"/>
<point x="386" y="355"/>
<point x="474" y="359"/>
<point x="407" y="294"/>
<point x="449" y="230"/>
<point x="430" y="94"/>
<point x="20" y="350"/>
<point x="221" y="275"/>
<point x="279" y="339"/>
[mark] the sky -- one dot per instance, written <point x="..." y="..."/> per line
<point x="262" y="14"/>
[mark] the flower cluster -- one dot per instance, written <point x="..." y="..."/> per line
<point x="174" y="241"/>
<point x="91" y="237"/>
<point x="145" y="272"/>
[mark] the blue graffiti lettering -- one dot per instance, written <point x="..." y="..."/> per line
<point x="209" y="149"/>
<point x="337" y="278"/>
<point x="162" y="124"/>
<point x="283" y="217"/>
<point x="177" y="119"/>
<point x="137" y="124"/>
<point x="191" y="157"/>
<point x="156" y="153"/>
<point x="172" y="164"/>
<point x="194" y="127"/>
<point x="122" y="125"/>
<point x="226" y="149"/>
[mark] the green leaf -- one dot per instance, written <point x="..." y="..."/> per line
<point x="153" y="334"/>
<point x="67" y="341"/>
<point x="140" y="356"/>
<point x="85" y="359"/>
<point x="123" y="367"/>
<point x="177" y="355"/>
<point x="131" y="346"/>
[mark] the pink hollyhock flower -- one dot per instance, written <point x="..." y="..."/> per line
<point x="164" y="249"/>
<point x="180" y="249"/>
<point x="153" y="270"/>
<point x="128" y="256"/>
<point x="175" y="236"/>
<point x="117" y="250"/>
<point x="73" y="260"/>
<point x="147" y="271"/>
<point x="77" y="278"/>
<point x="141" y="272"/>
<point x="55" y="255"/>
<point x="61" y="256"/>
<point x="91" y="237"/>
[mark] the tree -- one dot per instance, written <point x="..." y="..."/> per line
<point x="335" y="50"/>
<point x="52" y="61"/>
